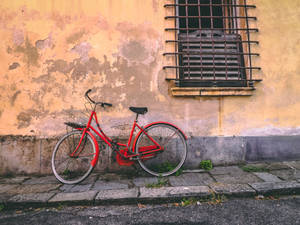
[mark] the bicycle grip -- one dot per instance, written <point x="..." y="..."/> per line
<point x="108" y="104"/>
<point x="88" y="91"/>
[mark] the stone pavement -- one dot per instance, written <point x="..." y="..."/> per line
<point x="259" y="179"/>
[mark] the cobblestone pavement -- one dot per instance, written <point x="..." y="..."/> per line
<point x="256" y="179"/>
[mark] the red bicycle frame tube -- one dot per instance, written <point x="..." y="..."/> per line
<point x="148" y="125"/>
<point x="108" y="141"/>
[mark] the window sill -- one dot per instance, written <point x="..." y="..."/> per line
<point x="211" y="91"/>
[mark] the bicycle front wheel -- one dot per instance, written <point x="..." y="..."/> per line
<point x="173" y="155"/>
<point x="72" y="169"/>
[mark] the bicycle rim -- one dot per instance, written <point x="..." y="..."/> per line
<point x="171" y="158"/>
<point x="72" y="170"/>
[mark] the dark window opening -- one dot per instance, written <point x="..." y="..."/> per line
<point x="212" y="44"/>
<point x="205" y="10"/>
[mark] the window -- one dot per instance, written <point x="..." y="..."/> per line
<point x="212" y="44"/>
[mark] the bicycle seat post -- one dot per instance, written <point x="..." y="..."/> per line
<point x="136" y="118"/>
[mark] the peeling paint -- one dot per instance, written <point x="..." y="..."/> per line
<point x="14" y="66"/>
<point x="82" y="50"/>
<point x="30" y="52"/>
<point x="73" y="38"/>
<point x="14" y="97"/>
<point x="134" y="51"/>
<point x="46" y="43"/>
<point x="18" y="37"/>
<point x="23" y="120"/>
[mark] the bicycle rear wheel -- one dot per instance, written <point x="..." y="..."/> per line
<point x="173" y="155"/>
<point x="73" y="169"/>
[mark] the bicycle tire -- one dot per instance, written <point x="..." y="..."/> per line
<point x="77" y="168"/>
<point x="170" y="160"/>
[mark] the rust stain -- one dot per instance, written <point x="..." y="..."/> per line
<point x="14" y="66"/>
<point x="75" y="37"/>
<point x="30" y="52"/>
<point x="14" y="97"/>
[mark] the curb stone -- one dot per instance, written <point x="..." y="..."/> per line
<point x="25" y="191"/>
<point x="234" y="190"/>
<point x="76" y="197"/>
<point x="268" y="188"/>
<point x="169" y="194"/>
<point x="117" y="196"/>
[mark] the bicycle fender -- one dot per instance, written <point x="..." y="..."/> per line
<point x="95" y="159"/>
<point x="150" y="124"/>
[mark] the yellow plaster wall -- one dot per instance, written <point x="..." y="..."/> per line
<point x="52" y="51"/>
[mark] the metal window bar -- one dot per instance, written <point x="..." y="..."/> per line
<point x="212" y="53"/>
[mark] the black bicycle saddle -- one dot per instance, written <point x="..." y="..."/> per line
<point x="139" y="110"/>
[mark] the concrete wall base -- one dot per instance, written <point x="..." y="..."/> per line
<point x="31" y="155"/>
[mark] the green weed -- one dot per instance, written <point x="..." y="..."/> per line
<point x="161" y="182"/>
<point x="166" y="167"/>
<point x="1" y="207"/>
<point x="188" y="201"/>
<point x="206" y="165"/>
<point x="252" y="168"/>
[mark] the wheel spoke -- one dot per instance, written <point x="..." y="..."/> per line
<point x="74" y="169"/>
<point x="171" y="159"/>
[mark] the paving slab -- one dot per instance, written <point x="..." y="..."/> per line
<point x="87" y="196"/>
<point x="287" y="175"/>
<point x="278" y="166"/>
<point x="195" y="171"/>
<point x="110" y="185"/>
<point x="4" y="198"/>
<point x="266" y="188"/>
<point x="173" y="193"/>
<point x="121" y="195"/>
<point x="294" y="164"/>
<point x="223" y="170"/>
<point x="238" y="190"/>
<point x="9" y="189"/>
<point x="267" y="177"/>
<point x="31" y="198"/>
<point x="81" y="188"/>
<point x="191" y="179"/>
<point x="14" y="180"/>
<point x="143" y="181"/>
<point x="91" y="179"/>
<point x="66" y="187"/>
<point x="258" y="165"/>
<point x="243" y="178"/>
<point x="37" y="188"/>
<point x="42" y="180"/>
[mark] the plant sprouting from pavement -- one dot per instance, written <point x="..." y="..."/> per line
<point x="206" y="165"/>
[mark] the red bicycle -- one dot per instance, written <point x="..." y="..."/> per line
<point x="160" y="147"/>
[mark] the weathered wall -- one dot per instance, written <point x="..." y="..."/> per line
<point x="53" y="51"/>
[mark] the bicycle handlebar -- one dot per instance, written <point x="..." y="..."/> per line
<point x="96" y="103"/>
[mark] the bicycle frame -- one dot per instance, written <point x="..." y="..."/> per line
<point x="124" y="157"/>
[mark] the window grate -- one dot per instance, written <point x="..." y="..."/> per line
<point x="212" y="44"/>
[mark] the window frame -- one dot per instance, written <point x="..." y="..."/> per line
<point x="242" y="28"/>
